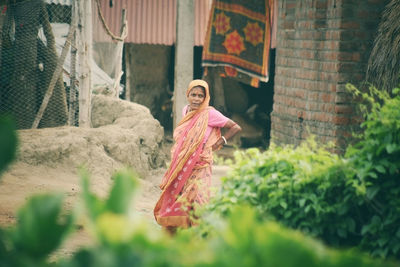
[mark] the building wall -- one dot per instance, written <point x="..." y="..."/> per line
<point x="322" y="45"/>
<point x="150" y="78"/>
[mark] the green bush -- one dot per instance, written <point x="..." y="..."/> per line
<point x="305" y="188"/>
<point x="123" y="240"/>
<point x="375" y="160"/>
<point x="345" y="201"/>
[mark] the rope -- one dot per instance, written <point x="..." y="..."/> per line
<point x="114" y="37"/>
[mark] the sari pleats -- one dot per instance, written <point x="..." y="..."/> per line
<point x="187" y="181"/>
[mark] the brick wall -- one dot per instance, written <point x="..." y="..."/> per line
<point x="322" y="45"/>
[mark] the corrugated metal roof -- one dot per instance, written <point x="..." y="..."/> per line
<point x="149" y="21"/>
<point x="201" y="15"/>
<point x="60" y="2"/>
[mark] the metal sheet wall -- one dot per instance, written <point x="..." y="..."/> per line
<point x="149" y="21"/>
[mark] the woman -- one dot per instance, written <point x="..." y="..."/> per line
<point x="188" y="178"/>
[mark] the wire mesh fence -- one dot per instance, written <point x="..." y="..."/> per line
<point x="39" y="70"/>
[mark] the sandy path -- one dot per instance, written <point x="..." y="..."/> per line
<point x="23" y="180"/>
<point x="144" y="204"/>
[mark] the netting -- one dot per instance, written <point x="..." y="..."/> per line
<point x="39" y="68"/>
<point x="27" y="65"/>
<point x="108" y="37"/>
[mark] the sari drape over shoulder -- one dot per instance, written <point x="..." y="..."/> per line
<point x="188" y="178"/>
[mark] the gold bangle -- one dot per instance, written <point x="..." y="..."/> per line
<point x="223" y="138"/>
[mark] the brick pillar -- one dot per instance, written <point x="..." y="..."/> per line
<point x="322" y="45"/>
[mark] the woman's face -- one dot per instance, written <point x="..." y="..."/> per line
<point x="196" y="97"/>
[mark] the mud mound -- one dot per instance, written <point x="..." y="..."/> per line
<point x="124" y="134"/>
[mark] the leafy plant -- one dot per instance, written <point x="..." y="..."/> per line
<point x="305" y="188"/>
<point x="376" y="162"/>
<point x="8" y="142"/>
<point x="345" y="201"/>
<point x="40" y="229"/>
<point x="123" y="240"/>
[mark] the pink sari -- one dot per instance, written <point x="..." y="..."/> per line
<point x="188" y="178"/>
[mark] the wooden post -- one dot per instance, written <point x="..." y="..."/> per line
<point x="72" y="88"/>
<point x="85" y="37"/>
<point x="127" y="77"/>
<point x="56" y="74"/>
<point x="183" y="55"/>
<point x="120" y="48"/>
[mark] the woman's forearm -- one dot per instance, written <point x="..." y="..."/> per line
<point x="232" y="131"/>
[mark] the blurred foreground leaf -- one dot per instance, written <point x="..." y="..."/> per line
<point x="8" y="142"/>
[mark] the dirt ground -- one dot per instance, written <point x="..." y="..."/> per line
<point x="22" y="180"/>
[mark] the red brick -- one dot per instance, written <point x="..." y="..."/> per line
<point x="321" y="4"/>
<point x="313" y="96"/>
<point x="338" y="120"/>
<point x="329" y="76"/>
<point x="346" y="67"/>
<point x="331" y="55"/>
<point x="328" y="98"/>
<point x="343" y="98"/>
<point x="343" y="133"/>
<point x="331" y="45"/>
<point x="300" y="93"/>
<point x="328" y="107"/>
<point x="288" y="25"/>
<point x="329" y="66"/>
<point x="343" y="109"/>
<point x="331" y="87"/>
<point x="350" y="25"/>
<point x="290" y="5"/>
<point x="334" y="23"/>
<point x="357" y="120"/>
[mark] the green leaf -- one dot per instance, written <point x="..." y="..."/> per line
<point x="342" y="233"/>
<point x="365" y="229"/>
<point x="380" y="168"/>
<point x="122" y="192"/>
<point x="382" y="241"/>
<point x="287" y="214"/>
<point x="283" y="204"/>
<point x="307" y="209"/>
<point x="390" y="148"/>
<point x="94" y="205"/>
<point x="8" y="142"/>
<point x="396" y="248"/>
<point x="351" y="224"/>
<point x="372" y="191"/>
<point x="376" y="220"/>
<point x="302" y="202"/>
<point x="41" y="228"/>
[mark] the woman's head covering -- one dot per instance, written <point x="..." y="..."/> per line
<point x="203" y="105"/>
<point x="203" y="84"/>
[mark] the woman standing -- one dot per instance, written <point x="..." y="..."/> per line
<point x="188" y="178"/>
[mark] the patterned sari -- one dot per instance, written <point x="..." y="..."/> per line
<point x="188" y="178"/>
